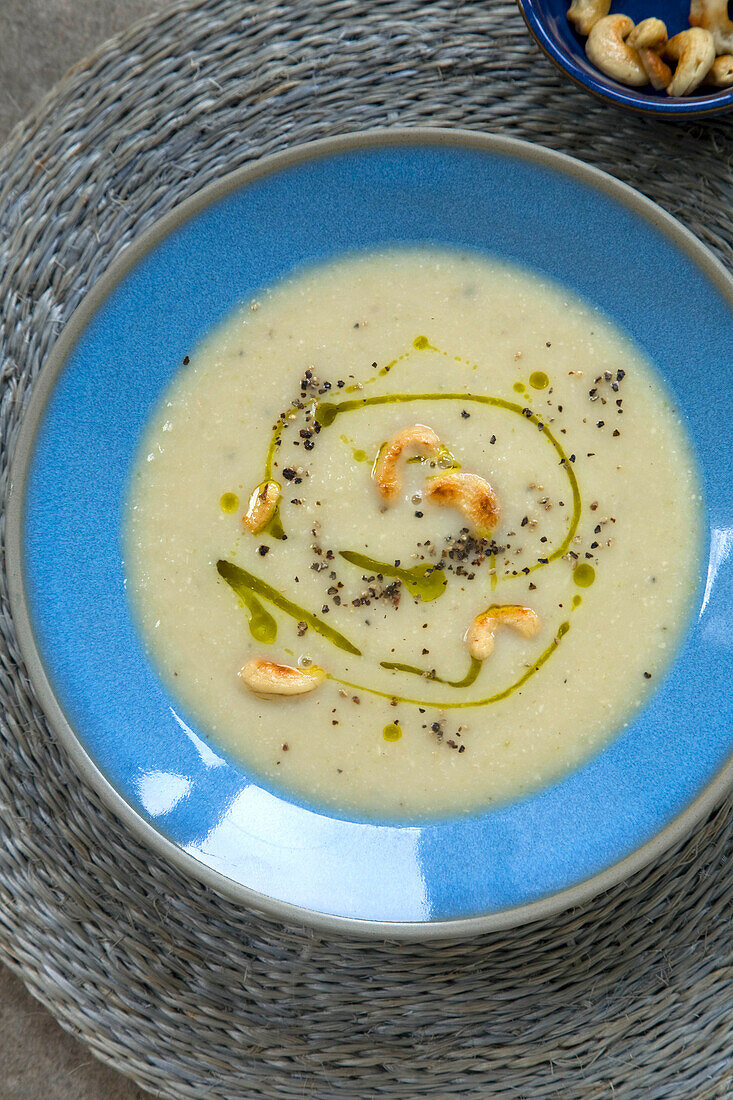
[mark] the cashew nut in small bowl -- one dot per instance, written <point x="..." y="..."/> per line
<point x="694" y="52"/>
<point x="609" y="51"/>
<point x="470" y="494"/>
<point x="479" y="637"/>
<point x="386" y="474"/>
<point x="584" y="14"/>
<point x="649" y="38"/>
<point x="721" y="74"/>
<point x="712" y="15"/>
<point x="261" y="506"/>
<point x="265" y="677"/>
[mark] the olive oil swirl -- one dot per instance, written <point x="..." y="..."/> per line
<point x="426" y="582"/>
<point x="452" y="704"/>
<point x="327" y="411"/>
<point x="248" y="587"/>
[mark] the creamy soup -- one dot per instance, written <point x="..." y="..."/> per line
<point x="448" y="502"/>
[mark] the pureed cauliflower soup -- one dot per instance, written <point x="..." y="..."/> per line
<point x="413" y="533"/>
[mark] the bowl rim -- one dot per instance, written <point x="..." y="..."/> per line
<point x="449" y="928"/>
<point x="679" y="108"/>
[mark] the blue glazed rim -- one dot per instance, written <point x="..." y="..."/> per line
<point x="608" y="90"/>
<point x="544" y="906"/>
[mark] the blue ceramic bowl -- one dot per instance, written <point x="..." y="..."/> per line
<point x="548" y="22"/>
<point x="129" y="735"/>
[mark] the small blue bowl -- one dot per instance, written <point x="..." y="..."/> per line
<point x="129" y="734"/>
<point x="548" y="23"/>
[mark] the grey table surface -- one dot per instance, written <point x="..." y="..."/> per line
<point x="39" y="41"/>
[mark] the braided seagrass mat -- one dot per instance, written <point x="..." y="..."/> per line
<point x="627" y="997"/>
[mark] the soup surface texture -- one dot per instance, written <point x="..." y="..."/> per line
<point x="543" y="469"/>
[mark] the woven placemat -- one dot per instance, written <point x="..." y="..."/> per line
<point x="628" y="997"/>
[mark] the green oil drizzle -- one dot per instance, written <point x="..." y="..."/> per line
<point x="584" y="575"/>
<point x="451" y="704"/>
<point x="246" y="584"/>
<point x="229" y="502"/>
<point x="277" y="432"/>
<point x="274" y="525"/>
<point x="444" y="458"/>
<point x="468" y="679"/>
<point x="425" y="581"/>
<point x="327" y="411"/>
<point x="262" y="626"/>
<point x="357" y="453"/>
<point x="577" y="601"/>
<point x="380" y="374"/>
<point x="392" y="732"/>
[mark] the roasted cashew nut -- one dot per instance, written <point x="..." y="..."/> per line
<point x="608" y="50"/>
<point x="261" y="506"/>
<point x="649" y="39"/>
<point x="721" y="74"/>
<point x="650" y="33"/>
<point x="479" y="637"/>
<point x="694" y="52"/>
<point x="584" y="14"/>
<point x="268" y="678"/>
<point x="385" y="474"/>
<point x="470" y="494"/>
<point x="712" y="15"/>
